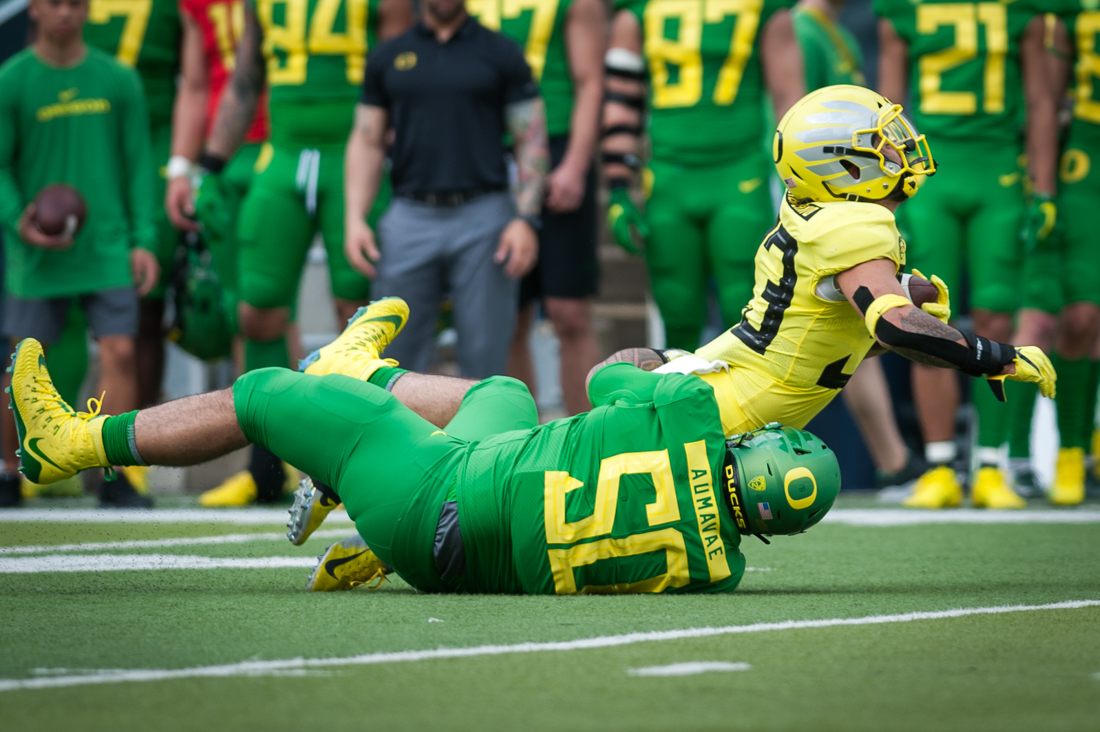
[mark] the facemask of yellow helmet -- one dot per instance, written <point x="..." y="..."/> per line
<point x="848" y="143"/>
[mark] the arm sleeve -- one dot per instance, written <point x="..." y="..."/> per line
<point x="374" y="87"/>
<point x="11" y="198"/>
<point x="138" y="162"/>
<point x="622" y="382"/>
<point x="519" y="85"/>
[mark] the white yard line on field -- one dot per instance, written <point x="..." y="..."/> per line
<point x="912" y="517"/>
<point x="242" y="516"/>
<point x="690" y="668"/>
<point x="92" y="546"/>
<point x="267" y="668"/>
<point x="118" y="562"/>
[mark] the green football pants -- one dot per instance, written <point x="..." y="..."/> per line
<point x="968" y="215"/>
<point x="1077" y="208"/>
<point x="706" y="221"/>
<point x="298" y="193"/>
<point x="392" y="469"/>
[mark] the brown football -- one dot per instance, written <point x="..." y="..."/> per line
<point x="60" y="210"/>
<point x="918" y="290"/>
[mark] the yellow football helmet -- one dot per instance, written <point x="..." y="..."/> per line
<point x="848" y="143"/>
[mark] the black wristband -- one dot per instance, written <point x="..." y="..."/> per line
<point x="986" y="357"/>
<point x="617" y="182"/>
<point x="632" y="101"/>
<point x="630" y="160"/>
<point x="622" y="130"/>
<point x="212" y="163"/>
<point x="533" y="220"/>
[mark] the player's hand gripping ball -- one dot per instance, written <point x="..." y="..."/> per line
<point x="210" y="206"/>
<point x="627" y="223"/>
<point x="1032" y="366"/>
<point x="931" y="297"/>
<point x="60" y="210"/>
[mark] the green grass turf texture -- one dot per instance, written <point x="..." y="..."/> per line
<point x="1027" y="671"/>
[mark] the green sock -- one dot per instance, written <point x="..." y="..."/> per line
<point x="262" y="354"/>
<point x="1091" y="387"/>
<point x="386" y="376"/>
<point x="1021" y="407"/>
<point x="992" y="415"/>
<point x="1073" y="377"/>
<point x="68" y="358"/>
<point x="118" y="440"/>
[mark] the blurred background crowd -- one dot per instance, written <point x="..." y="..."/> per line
<point x="545" y="182"/>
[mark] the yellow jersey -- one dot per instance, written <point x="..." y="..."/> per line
<point x="799" y="339"/>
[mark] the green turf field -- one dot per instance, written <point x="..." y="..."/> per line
<point x="847" y="627"/>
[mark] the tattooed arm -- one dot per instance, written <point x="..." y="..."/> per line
<point x="238" y="104"/>
<point x="527" y="123"/>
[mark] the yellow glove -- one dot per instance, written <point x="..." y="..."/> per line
<point x="1032" y="366"/>
<point x="941" y="308"/>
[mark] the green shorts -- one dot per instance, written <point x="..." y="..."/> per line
<point x="968" y="215"/>
<point x="1079" y="195"/>
<point x="168" y="237"/>
<point x="392" y="469"/>
<point x="296" y="194"/>
<point x="705" y="221"/>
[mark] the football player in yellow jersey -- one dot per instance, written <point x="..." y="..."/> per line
<point x="827" y="290"/>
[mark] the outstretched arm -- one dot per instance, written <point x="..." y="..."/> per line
<point x="873" y="290"/>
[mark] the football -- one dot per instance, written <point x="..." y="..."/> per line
<point x="60" y="210"/>
<point x="918" y="290"/>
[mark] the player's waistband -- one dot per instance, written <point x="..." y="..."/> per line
<point x="450" y="198"/>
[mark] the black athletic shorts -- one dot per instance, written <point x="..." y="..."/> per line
<point x="567" y="265"/>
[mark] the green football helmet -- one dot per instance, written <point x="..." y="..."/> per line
<point x="780" y="480"/>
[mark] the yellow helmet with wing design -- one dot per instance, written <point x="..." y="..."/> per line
<point x="848" y="143"/>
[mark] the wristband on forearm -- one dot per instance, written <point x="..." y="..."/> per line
<point x="212" y="163"/>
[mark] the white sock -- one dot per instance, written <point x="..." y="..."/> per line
<point x="989" y="457"/>
<point x="939" y="453"/>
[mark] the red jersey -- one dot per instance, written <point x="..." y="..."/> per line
<point x="222" y="23"/>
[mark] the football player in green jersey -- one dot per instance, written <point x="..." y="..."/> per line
<point x="973" y="69"/>
<point x="145" y="34"/>
<point x="707" y="66"/>
<point x="310" y="55"/>
<point x="564" y="43"/>
<point x="1073" y="43"/>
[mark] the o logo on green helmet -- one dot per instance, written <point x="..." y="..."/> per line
<point x="792" y="475"/>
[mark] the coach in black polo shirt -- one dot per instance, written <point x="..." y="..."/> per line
<point x="450" y="89"/>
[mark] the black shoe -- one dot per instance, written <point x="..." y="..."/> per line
<point x="118" y="493"/>
<point x="11" y="490"/>
<point x="914" y="468"/>
<point x="1027" y="483"/>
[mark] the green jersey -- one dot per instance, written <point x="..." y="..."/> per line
<point x="316" y="52"/>
<point x="705" y="78"/>
<point x="538" y="26"/>
<point x="629" y="497"/>
<point x="47" y="118"/>
<point x="831" y="54"/>
<point x="964" y="65"/>
<point x="1082" y="18"/>
<point x="144" y="34"/>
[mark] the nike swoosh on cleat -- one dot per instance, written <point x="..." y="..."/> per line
<point x="32" y="446"/>
<point x="332" y="564"/>
<point x="394" y="320"/>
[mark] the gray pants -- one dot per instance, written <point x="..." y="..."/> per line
<point x="429" y="252"/>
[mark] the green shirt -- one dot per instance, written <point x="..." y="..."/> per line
<point x="144" y="34"/>
<point x="964" y="65"/>
<point x="705" y="79"/>
<point x="625" y="498"/>
<point x="538" y="26"/>
<point x="316" y="52"/>
<point x="85" y="126"/>
<point x="831" y="54"/>
<point x="1082" y="18"/>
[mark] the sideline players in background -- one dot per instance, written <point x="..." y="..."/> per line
<point x="72" y="114"/>
<point x="833" y="57"/>
<point x="311" y="55"/>
<point x="1074" y="46"/>
<point x="706" y="70"/>
<point x="564" y="44"/>
<point x="971" y="68"/>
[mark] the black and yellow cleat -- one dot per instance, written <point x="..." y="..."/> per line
<point x="346" y="565"/>
<point x="309" y="510"/>
<point x="55" y="442"/>
<point x="357" y="352"/>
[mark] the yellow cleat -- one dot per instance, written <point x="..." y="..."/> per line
<point x="309" y="511"/>
<point x="1068" y="488"/>
<point x="68" y="488"/>
<point x="235" y="491"/>
<point x="138" y="477"/>
<point x="357" y="352"/>
<point x="937" y="488"/>
<point x="1095" y="452"/>
<point x="346" y="565"/>
<point x="991" y="489"/>
<point x="55" y="441"/>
